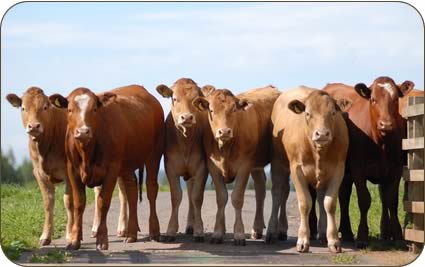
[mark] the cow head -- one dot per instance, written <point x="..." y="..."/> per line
<point x="83" y="106"/>
<point x="182" y="93"/>
<point x="35" y="110"/>
<point x="222" y="106"/>
<point x="319" y="110"/>
<point x="383" y="97"/>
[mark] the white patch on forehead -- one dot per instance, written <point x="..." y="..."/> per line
<point x="82" y="102"/>
<point x="388" y="87"/>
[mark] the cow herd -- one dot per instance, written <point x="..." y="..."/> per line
<point x="325" y="140"/>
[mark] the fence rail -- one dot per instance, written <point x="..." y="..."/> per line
<point x="413" y="173"/>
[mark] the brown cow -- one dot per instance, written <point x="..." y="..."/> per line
<point x="238" y="144"/>
<point x="310" y="141"/>
<point x="184" y="155"/>
<point x="111" y="135"/>
<point x="46" y="127"/>
<point x="376" y="130"/>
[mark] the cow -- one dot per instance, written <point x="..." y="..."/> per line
<point x="310" y="142"/>
<point x="184" y="155"/>
<point x="237" y="144"/>
<point x="46" y="126"/>
<point x="111" y="135"/>
<point x="375" y="154"/>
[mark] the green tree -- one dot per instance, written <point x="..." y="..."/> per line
<point x="24" y="172"/>
<point x="7" y="171"/>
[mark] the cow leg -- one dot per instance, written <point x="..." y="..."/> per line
<point x="391" y="197"/>
<point x="312" y="218"/>
<point x="344" y="204"/>
<point x="323" y="217"/>
<point x="304" y="205"/>
<point x="152" y="168"/>
<point x="197" y="198"/>
<point x="330" y="200"/>
<point x="104" y="202"/>
<point x="176" y="198"/>
<point x="364" y="201"/>
<point x="189" y="223"/>
<point x="221" y="197"/>
<point x="237" y="202"/>
<point x="259" y="178"/>
<point x="78" y="190"/>
<point x="68" y="204"/>
<point x="128" y="184"/>
<point x="279" y="178"/>
<point x="385" y="219"/>
<point x="47" y="190"/>
<point x="123" y="195"/>
<point x="283" y="219"/>
<point x="96" y="218"/>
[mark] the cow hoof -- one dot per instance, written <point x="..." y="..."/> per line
<point x="155" y="237"/>
<point x="73" y="246"/>
<point x="189" y="230"/>
<point x="335" y="248"/>
<point x="216" y="240"/>
<point x="323" y="240"/>
<point x="45" y="242"/>
<point x="102" y="246"/>
<point x="303" y="248"/>
<point x="93" y="234"/>
<point x="121" y="233"/>
<point x="168" y="238"/>
<point x="282" y="236"/>
<point x="239" y="242"/>
<point x="270" y="238"/>
<point x="256" y="235"/>
<point x="130" y="240"/>
<point x="361" y="244"/>
<point x="198" y="239"/>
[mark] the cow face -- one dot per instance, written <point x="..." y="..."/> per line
<point x="83" y="107"/>
<point x="319" y="110"/>
<point x="35" y="110"/>
<point x="383" y="97"/>
<point x="222" y="107"/>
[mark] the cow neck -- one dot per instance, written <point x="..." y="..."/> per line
<point x="189" y="138"/>
<point x="319" y="154"/>
<point x="86" y="152"/>
<point x="377" y="137"/>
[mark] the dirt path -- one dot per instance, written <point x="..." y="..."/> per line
<point x="184" y="251"/>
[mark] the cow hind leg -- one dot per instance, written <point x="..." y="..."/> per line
<point x="176" y="198"/>
<point x="344" y="204"/>
<point x="259" y="178"/>
<point x="364" y="201"/>
<point x="190" y="215"/>
<point x="322" y="217"/>
<point x="312" y="217"/>
<point x="124" y="199"/>
<point x="130" y="187"/>
<point x="152" y="168"/>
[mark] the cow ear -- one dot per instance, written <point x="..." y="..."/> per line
<point x="164" y="90"/>
<point x="343" y="104"/>
<point x="296" y="106"/>
<point x="363" y="90"/>
<point x="14" y="100"/>
<point x="58" y="101"/>
<point x="207" y="90"/>
<point x="405" y="88"/>
<point x="106" y="99"/>
<point x="243" y="104"/>
<point x="201" y="103"/>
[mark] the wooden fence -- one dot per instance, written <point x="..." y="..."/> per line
<point x="414" y="173"/>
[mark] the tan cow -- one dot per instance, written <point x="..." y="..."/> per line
<point x="184" y="155"/>
<point x="111" y="135"/>
<point x="238" y="144"/>
<point x="310" y="133"/>
<point x="46" y="126"/>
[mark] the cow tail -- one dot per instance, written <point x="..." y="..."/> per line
<point x="140" y="183"/>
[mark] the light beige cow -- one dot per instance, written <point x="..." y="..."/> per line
<point x="310" y="141"/>
<point x="184" y="155"/>
<point x="238" y="143"/>
<point x="46" y="126"/>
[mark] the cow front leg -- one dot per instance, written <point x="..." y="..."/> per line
<point x="123" y="195"/>
<point x="96" y="217"/>
<point x="176" y="198"/>
<point x="104" y="202"/>
<point x="283" y="219"/>
<point x="237" y="202"/>
<point x="78" y="190"/>
<point x="47" y="190"/>
<point x="69" y="206"/>
<point x="364" y="201"/>
<point x="391" y="197"/>
<point x="221" y="198"/>
<point x="190" y="215"/>
<point x="197" y="198"/>
<point x="259" y="178"/>
<point x="344" y="204"/>
<point x="129" y="186"/>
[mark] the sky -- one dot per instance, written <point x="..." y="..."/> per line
<point x="62" y="46"/>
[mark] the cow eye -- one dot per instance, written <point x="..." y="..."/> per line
<point x="69" y="110"/>
<point x="373" y="100"/>
<point x="175" y="99"/>
<point x="45" y="107"/>
<point x="22" y="108"/>
<point x="307" y="114"/>
<point x="211" y="111"/>
<point x="333" y="113"/>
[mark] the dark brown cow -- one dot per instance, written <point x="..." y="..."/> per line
<point x="376" y="130"/>
<point x="111" y="135"/>
<point x="310" y="142"/>
<point x="46" y="128"/>
<point x="238" y="143"/>
<point x="184" y="155"/>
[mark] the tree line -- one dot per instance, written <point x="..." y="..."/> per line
<point x="12" y="173"/>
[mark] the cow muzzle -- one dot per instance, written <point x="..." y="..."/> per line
<point x="34" y="129"/>
<point x="322" y="136"/>
<point x="223" y="135"/>
<point x="83" y="134"/>
<point x="385" y="126"/>
<point x="186" y="120"/>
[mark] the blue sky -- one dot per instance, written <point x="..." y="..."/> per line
<point x="61" y="46"/>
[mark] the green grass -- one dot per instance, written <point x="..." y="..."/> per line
<point x="344" y="258"/>
<point x="52" y="256"/>
<point x="22" y="217"/>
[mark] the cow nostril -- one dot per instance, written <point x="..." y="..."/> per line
<point x="327" y="134"/>
<point x="182" y="117"/>
<point x="37" y="125"/>
<point x="190" y="117"/>
<point x="220" y="132"/>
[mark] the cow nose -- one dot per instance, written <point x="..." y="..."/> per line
<point x="188" y="117"/>
<point x="82" y="132"/>
<point x="34" y="126"/>
<point x="224" y="132"/>
<point x="321" y="135"/>
<point x="385" y="125"/>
